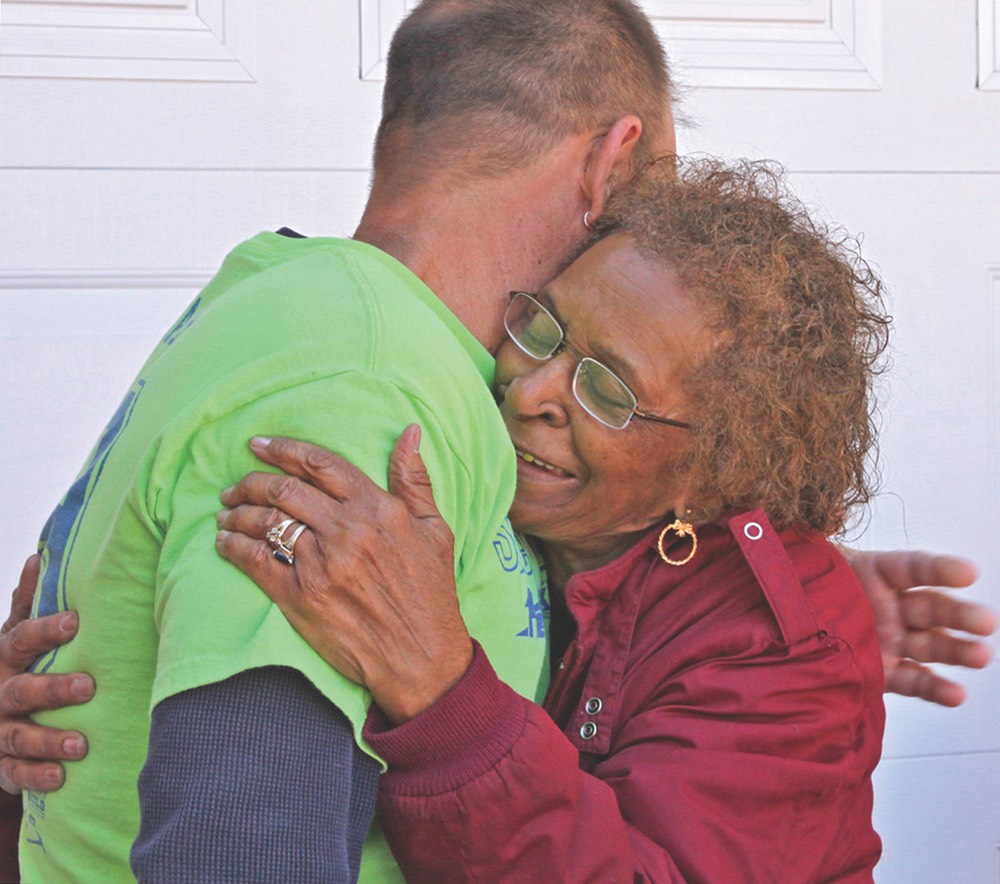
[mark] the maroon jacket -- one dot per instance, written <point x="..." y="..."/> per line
<point x="718" y="721"/>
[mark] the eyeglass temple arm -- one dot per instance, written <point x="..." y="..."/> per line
<point x="661" y="420"/>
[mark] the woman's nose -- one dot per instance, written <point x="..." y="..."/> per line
<point x="543" y="391"/>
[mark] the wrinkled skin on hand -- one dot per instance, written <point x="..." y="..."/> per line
<point x="372" y="586"/>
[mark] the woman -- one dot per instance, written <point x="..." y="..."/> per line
<point x="691" y="405"/>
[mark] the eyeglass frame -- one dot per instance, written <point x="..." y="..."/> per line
<point x="564" y="344"/>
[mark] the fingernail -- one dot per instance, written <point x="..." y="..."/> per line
<point x="81" y="687"/>
<point x="260" y="441"/>
<point x="52" y="776"/>
<point x="69" y="621"/>
<point x="416" y="439"/>
<point x="227" y="491"/>
<point x="221" y="536"/>
<point x="73" y="746"/>
<point x="221" y="516"/>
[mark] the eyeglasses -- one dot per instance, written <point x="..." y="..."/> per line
<point x="601" y="393"/>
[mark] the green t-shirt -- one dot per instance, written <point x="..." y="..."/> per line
<point x="326" y="340"/>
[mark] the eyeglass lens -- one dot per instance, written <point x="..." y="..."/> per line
<point x="532" y="327"/>
<point x="603" y="394"/>
<point x="599" y="390"/>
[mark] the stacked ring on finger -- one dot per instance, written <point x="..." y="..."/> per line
<point x="284" y="550"/>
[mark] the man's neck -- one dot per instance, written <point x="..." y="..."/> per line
<point x="471" y="245"/>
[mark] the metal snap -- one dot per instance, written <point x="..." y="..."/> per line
<point x="588" y="731"/>
<point x="753" y="531"/>
<point x="594" y="705"/>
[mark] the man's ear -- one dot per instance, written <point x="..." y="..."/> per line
<point x="609" y="162"/>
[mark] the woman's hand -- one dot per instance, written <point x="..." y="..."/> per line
<point x="372" y="586"/>
<point x="913" y="623"/>
<point x="30" y="753"/>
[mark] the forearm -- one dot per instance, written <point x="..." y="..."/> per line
<point x="256" y="778"/>
<point x="484" y="786"/>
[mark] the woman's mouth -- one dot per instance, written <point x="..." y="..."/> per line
<point x="527" y="457"/>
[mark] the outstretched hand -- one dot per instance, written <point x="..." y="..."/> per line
<point x="914" y="623"/>
<point x="30" y="753"/>
<point x="372" y="585"/>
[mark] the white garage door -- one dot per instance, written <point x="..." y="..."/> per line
<point x="140" y="141"/>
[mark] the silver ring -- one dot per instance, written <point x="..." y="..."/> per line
<point x="274" y="533"/>
<point x="284" y="550"/>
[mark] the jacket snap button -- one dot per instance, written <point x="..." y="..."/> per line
<point x="594" y="705"/>
<point x="753" y="531"/>
<point x="588" y="731"/>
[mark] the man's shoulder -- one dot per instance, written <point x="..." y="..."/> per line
<point x="324" y="261"/>
<point x="325" y="284"/>
<point x="318" y="302"/>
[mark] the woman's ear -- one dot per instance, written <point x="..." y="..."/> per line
<point x="609" y="163"/>
<point x="683" y="506"/>
<point x="682" y="511"/>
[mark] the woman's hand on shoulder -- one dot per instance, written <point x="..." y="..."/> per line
<point x="371" y="585"/>
<point x="918" y="625"/>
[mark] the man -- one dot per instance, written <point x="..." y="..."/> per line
<point x="484" y="176"/>
<point x="489" y="161"/>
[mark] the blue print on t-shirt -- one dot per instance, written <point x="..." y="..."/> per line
<point x="59" y="533"/>
<point x="514" y="556"/>
<point x="538" y="612"/>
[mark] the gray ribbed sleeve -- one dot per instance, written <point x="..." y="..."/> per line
<point x="253" y="779"/>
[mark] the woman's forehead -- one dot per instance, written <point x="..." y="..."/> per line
<point x="627" y="308"/>
<point x="615" y="285"/>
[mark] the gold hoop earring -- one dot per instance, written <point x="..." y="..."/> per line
<point x="682" y="529"/>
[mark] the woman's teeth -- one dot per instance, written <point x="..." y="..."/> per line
<point x="530" y="458"/>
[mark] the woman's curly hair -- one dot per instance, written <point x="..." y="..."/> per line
<point x="783" y="406"/>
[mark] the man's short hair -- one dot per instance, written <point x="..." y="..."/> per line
<point x="497" y="83"/>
